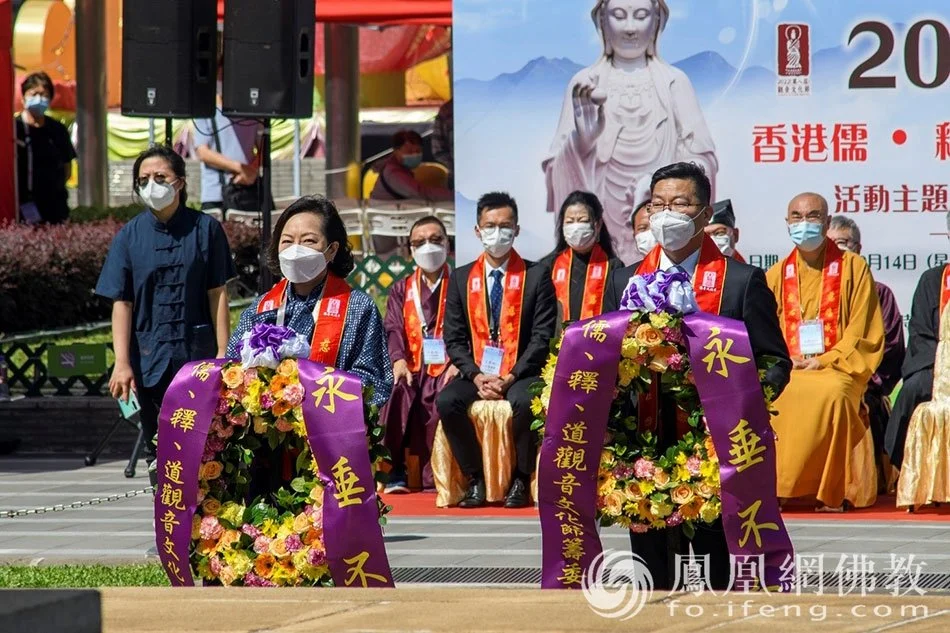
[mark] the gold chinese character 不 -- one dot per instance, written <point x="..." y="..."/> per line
<point x="202" y="371"/>
<point x="571" y="574"/>
<point x="595" y="330"/>
<point x="347" y="484"/>
<point x="169" y="521"/>
<point x="173" y="472"/>
<point x="573" y="549"/>
<point x="586" y="381"/>
<point x="170" y="548"/>
<point x="331" y="388"/>
<point x="720" y="352"/>
<point x="357" y="571"/>
<point x="751" y="527"/>
<point x="183" y="419"/>
<point x="569" y="458"/>
<point x="171" y="497"/>
<point x="746" y="450"/>
<point x="567" y="483"/>
<point x="573" y="432"/>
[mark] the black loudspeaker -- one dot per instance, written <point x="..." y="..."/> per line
<point x="268" y="58"/>
<point x="169" y="58"/>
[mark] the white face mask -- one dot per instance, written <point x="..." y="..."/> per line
<point x="497" y="241"/>
<point x="672" y="230"/>
<point x="429" y="257"/>
<point x="300" y="264"/>
<point x="157" y="196"/>
<point x="579" y="235"/>
<point x="724" y="242"/>
<point x="645" y="242"/>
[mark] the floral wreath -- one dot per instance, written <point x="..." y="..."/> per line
<point x="641" y="487"/>
<point x="241" y="536"/>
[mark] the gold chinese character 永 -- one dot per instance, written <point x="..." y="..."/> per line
<point x="751" y="527"/>
<point x="348" y="489"/>
<point x="183" y="419"/>
<point x="570" y="458"/>
<point x="356" y="571"/>
<point x="719" y="351"/>
<point x="331" y="388"/>
<point x="596" y="330"/>
<point x="746" y="450"/>
<point x="586" y="381"/>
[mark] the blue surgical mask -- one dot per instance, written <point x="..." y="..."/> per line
<point x="808" y="236"/>
<point x="36" y="104"/>
<point x="411" y="161"/>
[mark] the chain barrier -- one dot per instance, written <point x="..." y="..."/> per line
<point x="75" y="505"/>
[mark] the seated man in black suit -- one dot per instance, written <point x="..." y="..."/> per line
<point x="500" y="315"/>
<point x="679" y="211"/>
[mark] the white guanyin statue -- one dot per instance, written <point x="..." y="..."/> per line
<point x="625" y="116"/>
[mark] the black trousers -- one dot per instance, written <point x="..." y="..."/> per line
<point x="915" y="390"/>
<point x="150" y="400"/>
<point x="453" y="403"/>
<point x="658" y="549"/>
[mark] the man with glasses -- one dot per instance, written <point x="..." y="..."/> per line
<point x="415" y="315"/>
<point x="499" y="320"/>
<point x="679" y="210"/>
<point x="844" y="232"/>
<point x="831" y="318"/>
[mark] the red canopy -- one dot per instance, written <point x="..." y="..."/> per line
<point x="380" y="12"/>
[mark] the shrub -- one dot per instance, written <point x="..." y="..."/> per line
<point x="83" y="215"/>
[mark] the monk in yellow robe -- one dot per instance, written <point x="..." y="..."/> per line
<point x="831" y="318"/>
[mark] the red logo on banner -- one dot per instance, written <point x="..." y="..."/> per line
<point x="794" y="50"/>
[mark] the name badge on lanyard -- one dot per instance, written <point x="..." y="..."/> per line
<point x="492" y="357"/>
<point x="811" y="337"/>
<point x="433" y="351"/>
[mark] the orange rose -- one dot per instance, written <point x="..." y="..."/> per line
<point x="211" y="470"/>
<point x="648" y="336"/>
<point x="278" y="548"/>
<point x="301" y="522"/>
<point x="229" y="538"/>
<point x="613" y="503"/>
<point x="661" y="477"/>
<point x="681" y="494"/>
<point x="233" y="376"/>
<point x="211" y="506"/>
<point x="287" y="367"/>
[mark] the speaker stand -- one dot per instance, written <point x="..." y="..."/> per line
<point x="264" y="198"/>
<point x="168" y="132"/>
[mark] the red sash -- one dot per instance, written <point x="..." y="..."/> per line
<point x="830" y="306"/>
<point x="708" y="283"/>
<point x="328" y="324"/>
<point x="593" y="297"/>
<point x="412" y="324"/>
<point x="944" y="292"/>
<point x="710" y="274"/>
<point x="509" y="330"/>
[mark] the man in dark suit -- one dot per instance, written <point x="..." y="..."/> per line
<point x="679" y="212"/>
<point x="500" y="316"/>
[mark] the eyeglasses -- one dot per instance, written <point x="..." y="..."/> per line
<point x="678" y="207"/>
<point x="160" y="179"/>
<point x="438" y="240"/>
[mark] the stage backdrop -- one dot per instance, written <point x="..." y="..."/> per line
<point x="772" y="97"/>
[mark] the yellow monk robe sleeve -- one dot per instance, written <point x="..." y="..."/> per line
<point x="860" y="346"/>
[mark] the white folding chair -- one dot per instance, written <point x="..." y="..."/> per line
<point x="394" y="224"/>
<point x="355" y="227"/>
<point x="447" y="215"/>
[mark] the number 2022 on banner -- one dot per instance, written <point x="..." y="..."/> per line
<point x="886" y="38"/>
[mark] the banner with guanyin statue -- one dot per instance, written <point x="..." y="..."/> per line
<point x="771" y="97"/>
<point x="604" y="461"/>
<point x="266" y="472"/>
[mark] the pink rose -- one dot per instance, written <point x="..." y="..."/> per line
<point x="644" y="469"/>
<point x="262" y="544"/>
<point x="211" y="530"/>
<point x="284" y="426"/>
<point x="293" y="394"/>
<point x="250" y="530"/>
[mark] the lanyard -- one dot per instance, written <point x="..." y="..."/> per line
<point x="29" y="156"/>
<point x="282" y="309"/>
<point x="417" y="301"/>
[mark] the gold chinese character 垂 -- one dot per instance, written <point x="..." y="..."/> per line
<point x="586" y="381"/>
<point x="202" y="371"/>
<point x="573" y="432"/>
<point x="746" y="450"/>
<point x="183" y="419"/>
<point x="348" y="489"/>
<point x="357" y="571"/>
<point x="596" y="330"/>
<point x="171" y="497"/>
<point x="751" y="527"/>
<point x="169" y="521"/>
<point x="570" y="458"/>
<point x="719" y="351"/>
<point x="173" y="472"/>
<point x="571" y="574"/>
<point x="567" y="483"/>
<point x="573" y="549"/>
<point x="331" y="388"/>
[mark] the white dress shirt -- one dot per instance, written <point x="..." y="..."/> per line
<point x="489" y="280"/>
<point x="689" y="264"/>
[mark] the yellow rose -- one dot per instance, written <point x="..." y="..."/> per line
<point x="317" y="495"/>
<point x="706" y="491"/>
<point x="661" y="477"/>
<point x="287" y="367"/>
<point x="211" y="506"/>
<point x="648" y="336"/>
<point x="211" y="470"/>
<point x="233" y="376"/>
<point x="277" y="548"/>
<point x="613" y="503"/>
<point x="301" y="522"/>
<point x="681" y="494"/>
<point x="633" y="491"/>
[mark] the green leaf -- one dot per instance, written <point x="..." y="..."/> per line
<point x="689" y="530"/>
<point x="302" y="485"/>
<point x="272" y="440"/>
<point x="303" y="459"/>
